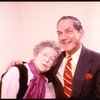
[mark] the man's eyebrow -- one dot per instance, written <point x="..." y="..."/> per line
<point x="68" y="28"/>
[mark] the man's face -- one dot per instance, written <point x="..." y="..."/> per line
<point x="69" y="38"/>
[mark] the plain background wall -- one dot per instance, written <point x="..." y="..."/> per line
<point x="24" y="24"/>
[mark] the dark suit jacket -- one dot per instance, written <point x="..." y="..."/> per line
<point x="86" y="80"/>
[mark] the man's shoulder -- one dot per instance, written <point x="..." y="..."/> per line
<point x="94" y="54"/>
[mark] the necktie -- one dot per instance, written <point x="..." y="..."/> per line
<point x="68" y="78"/>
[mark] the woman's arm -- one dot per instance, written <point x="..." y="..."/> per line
<point x="10" y="84"/>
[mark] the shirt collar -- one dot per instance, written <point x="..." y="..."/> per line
<point x="76" y="54"/>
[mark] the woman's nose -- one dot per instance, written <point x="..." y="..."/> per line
<point x="47" y="59"/>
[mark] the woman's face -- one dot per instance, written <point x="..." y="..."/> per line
<point x="45" y="59"/>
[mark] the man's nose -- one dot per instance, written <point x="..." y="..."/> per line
<point x="64" y="35"/>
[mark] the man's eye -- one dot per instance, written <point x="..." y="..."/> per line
<point x="59" y="33"/>
<point x="69" y="31"/>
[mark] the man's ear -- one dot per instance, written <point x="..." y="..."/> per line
<point x="81" y="33"/>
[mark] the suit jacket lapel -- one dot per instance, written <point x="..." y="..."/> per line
<point x="81" y="70"/>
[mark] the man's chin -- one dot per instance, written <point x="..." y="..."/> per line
<point x="68" y="49"/>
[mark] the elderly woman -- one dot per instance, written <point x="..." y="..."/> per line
<point x="44" y="57"/>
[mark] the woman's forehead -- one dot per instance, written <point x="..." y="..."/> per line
<point x="47" y="49"/>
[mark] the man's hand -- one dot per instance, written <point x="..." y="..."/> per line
<point x="12" y="63"/>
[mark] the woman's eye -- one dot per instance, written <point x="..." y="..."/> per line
<point x="44" y="55"/>
<point x="52" y="59"/>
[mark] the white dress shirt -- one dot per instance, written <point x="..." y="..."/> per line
<point x="74" y="61"/>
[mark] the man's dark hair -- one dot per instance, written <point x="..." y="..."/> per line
<point x="76" y="23"/>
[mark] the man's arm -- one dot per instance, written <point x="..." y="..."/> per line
<point x="12" y="63"/>
<point x="97" y="93"/>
